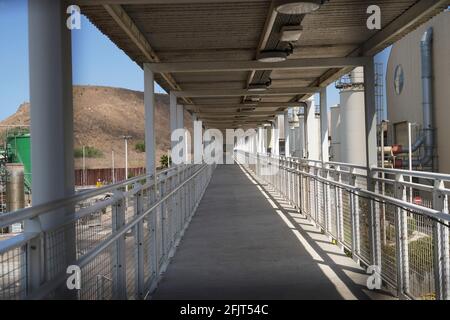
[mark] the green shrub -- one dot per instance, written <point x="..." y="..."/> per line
<point x="165" y="161"/>
<point x="140" y="146"/>
<point x="90" y="152"/>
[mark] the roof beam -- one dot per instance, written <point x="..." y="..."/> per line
<point x="245" y="105"/>
<point x="235" y="113"/>
<point x="120" y="16"/>
<point x="233" y="66"/>
<point x="244" y="92"/>
<point x="126" y="2"/>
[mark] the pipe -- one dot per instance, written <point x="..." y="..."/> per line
<point x="427" y="137"/>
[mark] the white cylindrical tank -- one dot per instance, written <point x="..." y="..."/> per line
<point x="353" y="142"/>
<point x="299" y="131"/>
<point x="335" y="132"/>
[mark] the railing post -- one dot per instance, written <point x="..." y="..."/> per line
<point x="441" y="245"/>
<point x="402" y="256"/>
<point x="291" y="182"/>
<point x="118" y="219"/>
<point x="374" y="224"/>
<point x="355" y="216"/>
<point x="301" y="189"/>
<point x="339" y="208"/>
<point x="295" y="181"/>
<point x="327" y="199"/>
<point x="316" y="199"/>
<point x="139" y="234"/>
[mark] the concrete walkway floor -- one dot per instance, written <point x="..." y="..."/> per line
<point x="246" y="242"/>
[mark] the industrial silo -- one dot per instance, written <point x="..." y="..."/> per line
<point x="352" y="127"/>
<point x="19" y="151"/>
<point x="335" y="132"/>
<point x="15" y="192"/>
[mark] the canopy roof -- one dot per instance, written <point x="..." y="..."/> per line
<point x="207" y="50"/>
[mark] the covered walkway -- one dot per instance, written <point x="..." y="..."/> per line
<point x="245" y="242"/>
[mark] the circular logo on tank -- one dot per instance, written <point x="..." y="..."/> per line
<point x="399" y="79"/>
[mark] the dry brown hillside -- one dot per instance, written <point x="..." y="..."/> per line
<point x="102" y="115"/>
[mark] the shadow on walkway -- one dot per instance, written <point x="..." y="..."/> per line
<point x="246" y="242"/>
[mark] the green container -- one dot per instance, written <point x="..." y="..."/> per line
<point x="19" y="151"/>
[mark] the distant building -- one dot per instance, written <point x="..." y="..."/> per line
<point x="405" y="92"/>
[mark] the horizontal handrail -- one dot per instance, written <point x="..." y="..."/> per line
<point x="372" y="214"/>
<point x="10" y="218"/>
<point x="94" y="252"/>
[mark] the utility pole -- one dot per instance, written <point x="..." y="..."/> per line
<point x="84" y="166"/>
<point x="126" y="138"/>
<point x="113" y="167"/>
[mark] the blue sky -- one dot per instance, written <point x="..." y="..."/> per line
<point x="96" y="60"/>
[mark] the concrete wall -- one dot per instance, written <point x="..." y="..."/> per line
<point x="407" y="106"/>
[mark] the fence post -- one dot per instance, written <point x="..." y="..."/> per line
<point x="441" y="245"/>
<point x="118" y="219"/>
<point x="374" y="224"/>
<point x="139" y="234"/>
<point x="340" y="212"/>
<point x="355" y="216"/>
<point x="402" y="256"/>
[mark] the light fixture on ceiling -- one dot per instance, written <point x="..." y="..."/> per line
<point x="257" y="87"/>
<point x="290" y="33"/>
<point x="272" y="56"/>
<point x="297" y="7"/>
<point x="251" y="100"/>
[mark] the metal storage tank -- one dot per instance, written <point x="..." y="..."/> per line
<point x="353" y="143"/>
<point x="299" y="131"/>
<point x="335" y="132"/>
<point x="20" y="152"/>
<point x="404" y="89"/>
<point x="15" y="195"/>
<point x="15" y="192"/>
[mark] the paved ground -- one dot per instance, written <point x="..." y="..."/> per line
<point x="245" y="242"/>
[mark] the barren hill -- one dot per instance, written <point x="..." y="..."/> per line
<point x="102" y="115"/>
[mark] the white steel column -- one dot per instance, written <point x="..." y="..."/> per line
<point x="260" y="139"/>
<point x="309" y="118"/>
<point x="372" y="159"/>
<point x="324" y="125"/>
<point x="149" y="103"/>
<point x="198" y="140"/>
<point x="51" y="131"/>
<point x="287" y="134"/>
<point x="51" y="99"/>
<point x="255" y="143"/>
<point x="370" y="115"/>
<point x="180" y="125"/>
<point x="173" y="116"/>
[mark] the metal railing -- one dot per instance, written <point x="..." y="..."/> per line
<point x="399" y="225"/>
<point x="121" y="237"/>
